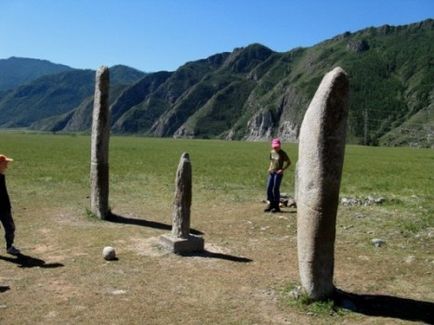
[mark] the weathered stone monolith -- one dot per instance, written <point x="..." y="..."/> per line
<point x="319" y="170"/>
<point x="180" y="241"/>
<point x="99" y="165"/>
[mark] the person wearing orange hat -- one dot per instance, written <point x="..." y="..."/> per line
<point x="5" y="208"/>
<point x="279" y="161"/>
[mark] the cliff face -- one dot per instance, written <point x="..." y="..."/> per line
<point x="254" y="93"/>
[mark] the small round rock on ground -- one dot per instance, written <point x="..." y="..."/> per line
<point x="109" y="253"/>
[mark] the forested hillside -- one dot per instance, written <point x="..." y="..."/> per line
<point x="254" y="93"/>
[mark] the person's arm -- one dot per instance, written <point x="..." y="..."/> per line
<point x="286" y="164"/>
<point x="270" y="168"/>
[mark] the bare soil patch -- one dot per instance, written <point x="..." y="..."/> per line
<point x="250" y="259"/>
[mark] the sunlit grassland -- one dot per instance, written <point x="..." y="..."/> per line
<point x="54" y="169"/>
<point x="49" y="187"/>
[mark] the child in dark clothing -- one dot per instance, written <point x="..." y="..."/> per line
<point x="5" y="208"/>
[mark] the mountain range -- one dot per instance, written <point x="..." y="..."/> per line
<point x="252" y="93"/>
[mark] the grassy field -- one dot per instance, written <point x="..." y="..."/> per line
<point x="250" y="264"/>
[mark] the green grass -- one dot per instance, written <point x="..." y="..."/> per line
<point x="326" y="311"/>
<point x="49" y="186"/>
<point x="56" y="168"/>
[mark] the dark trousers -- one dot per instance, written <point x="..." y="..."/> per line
<point x="9" y="226"/>
<point x="273" y="189"/>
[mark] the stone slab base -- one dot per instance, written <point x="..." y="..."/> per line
<point x="182" y="245"/>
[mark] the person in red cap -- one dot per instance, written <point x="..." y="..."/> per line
<point x="5" y="208"/>
<point x="279" y="161"/>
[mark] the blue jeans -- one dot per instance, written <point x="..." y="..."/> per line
<point x="273" y="189"/>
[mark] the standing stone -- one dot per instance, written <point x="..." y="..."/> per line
<point x="182" y="201"/>
<point x="99" y="167"/>
<point x="181" y="241"/>
<point x="296" y="182"/>
<point x="319" y="170"/>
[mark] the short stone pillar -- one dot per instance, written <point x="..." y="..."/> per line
<point x="99" y="166"/>
<point x="319" y="170"/>
<point x="180" y="241"/>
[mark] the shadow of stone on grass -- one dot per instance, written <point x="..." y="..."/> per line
<point x="386" y="306"/>
<point x="4" y="288"/>
<point x="208" y="254"/>
<point x="144" y="223"/>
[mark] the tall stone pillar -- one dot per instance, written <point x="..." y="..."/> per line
<point x="319" y="170"/>
<point x="99" y="165"/>
<point x="180" y="241"/>
<point x="182" y="201"/>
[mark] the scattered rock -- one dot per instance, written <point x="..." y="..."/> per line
<point x="370" y="200"/>
<point x="374" y="200"/>
<point x="296" y="292"/>
<point x="357" y="46"/>
<point x="52" y="314"/>
<point x="378" y="242"/>
<point x="410" y="259"/>
<point x="347" y="201"/>
<point x="285" y="201"/>
<point x="109" y="253"/>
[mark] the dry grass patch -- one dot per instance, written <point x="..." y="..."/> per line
<point x="250" y="256"/>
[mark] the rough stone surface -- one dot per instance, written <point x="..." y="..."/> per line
<point x="260" y="126"/>
<point x="99" y="170"/>
<point x="370" y="200"/>
<point x="286" y="201"/>
<point x="378" y="242"/>
<point x="319" y="169"/>
<point x="183" y="197"/>
<point x="109" y="253"/>
<point x="180" y="241"/>
<point x="358" y="46"/>
<point x="182" y="245"/>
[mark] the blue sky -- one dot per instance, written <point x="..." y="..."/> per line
<point x="153" y="35"/>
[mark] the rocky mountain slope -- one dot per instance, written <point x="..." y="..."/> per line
<point x="45" y="103"/>
<point x="254" y="93"/>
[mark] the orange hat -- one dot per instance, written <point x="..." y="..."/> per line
<point x="5" y="158"/>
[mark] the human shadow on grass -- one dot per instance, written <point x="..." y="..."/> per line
<point x="386" y="306"/>
<point x="208" y="254"/>
<point x="26" y="261"/>
<point x="144" y="223"/>
<point x="4" y="288"/>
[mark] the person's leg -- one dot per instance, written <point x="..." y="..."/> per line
<point x="276" y="191"/>
<point x="9" y="226"/>
<point x="270" y="194"/>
